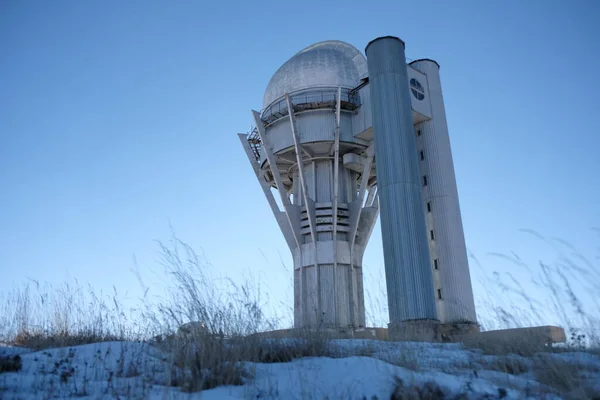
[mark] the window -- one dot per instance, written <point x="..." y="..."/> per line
<point x="424" y="180"/>
<point x="428" y="206"/>
<point x="418" y="132"/>
<point x="439" y="294"/>
<point x="431" y="235"/>
<point x="422" y="153"/>
<point x="435" y="264"/>
<point x="417" y="89"/>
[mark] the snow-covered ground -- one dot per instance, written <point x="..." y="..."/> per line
<point x="362" y="369"/>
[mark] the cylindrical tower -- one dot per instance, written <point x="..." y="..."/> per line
<point x="453" y="292"/>
<point x="304" y="147"/>
<point x="404" y="233"/>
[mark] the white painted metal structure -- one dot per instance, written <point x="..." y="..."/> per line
<point x="312" y="147"/>
<point x="454" y="293"/>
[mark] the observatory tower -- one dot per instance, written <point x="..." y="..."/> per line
<point x="329" y="116"/>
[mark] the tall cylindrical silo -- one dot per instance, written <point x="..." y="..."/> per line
<point x="454" y="293"/>
<point x="404" y="233"/>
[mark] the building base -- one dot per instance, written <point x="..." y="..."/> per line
<point x="523" y="341"/>
<point x="326" y="333"/>
<point x="517" y="340"/>
<point x="423" y="330"/>
<point x="448" y="332"/>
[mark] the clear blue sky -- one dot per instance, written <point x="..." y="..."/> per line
<point x="119" y="119"/>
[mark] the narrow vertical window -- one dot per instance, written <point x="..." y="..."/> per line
<point x="439" y="294"/>
<point x="422" y="153"/>
<point x="424" y="180"/>
<point x="431" y="235"/>
<point x="418" y="132"/>
<point x="435" y="264"/>
<point x="428" y="206"/>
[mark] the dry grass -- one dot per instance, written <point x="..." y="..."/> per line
<point x="10" y="363"/>
<point x="426" y="391"/>
<point x="567" y="377"/>
<point x="525" y="345"/>
<point x="41" y="317"/>
<point x="39" y="340"/>
<point x="232" y="314"/>
<point x="404" y="357"/>
<point x="562" y="289"/>
<point x="511" y="365"/>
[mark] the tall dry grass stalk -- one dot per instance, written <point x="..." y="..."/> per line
<point x="225" y="307"/>
<point x="231" y="313"/>
<point x="41" y="315"/>
<point x="561" y="291"/>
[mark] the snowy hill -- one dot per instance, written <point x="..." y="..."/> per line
<point x="354" y="369"/>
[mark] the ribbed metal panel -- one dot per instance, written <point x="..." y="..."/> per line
<point x="327" y="298"/>
<point x="457" y="303"/>
<point x="313" y="126"/>
<point x="298" y="297"/>
<point x="344" y="292"/>
<point x="346" y="134"/>
<point x="323" y="189"/>
<point x="316" y="126"/>
<point x="324" y="181"/>
<point x="360" y="294"/>
<point x="280" y="136"/>
<point x="362" y="120"/>
<point x="404" y="235"/>
<point x="343" y="302"/>
<point x="311" y="293"/>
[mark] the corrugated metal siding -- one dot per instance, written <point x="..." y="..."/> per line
<point x="449" y="247"/>
<point x="344" y="294"/>
<point x="360" y="294"/>
<point x="363" y="119"/>
<point x="323" y="189"/>
<point x="298" y="310"/>
<point x="313" y="126"/>
<point x="346" y="128"/>
<point x="324" y="180"/>
<point x="280" y="135"/>
<point x="326" y="293"/>
<point x="311" y="295"/>
<point x="406" y="252"/>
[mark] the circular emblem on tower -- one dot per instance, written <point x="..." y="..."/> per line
<point x="417" y="89"/>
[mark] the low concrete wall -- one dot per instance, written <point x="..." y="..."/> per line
<point x="519" y="340"/>
<point x="429" y="331"/>
<point x="360" y="333"/>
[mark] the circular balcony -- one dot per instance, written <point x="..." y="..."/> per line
<point x="311" y="99"/>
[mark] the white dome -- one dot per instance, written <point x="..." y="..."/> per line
<point x="329" y="63"/>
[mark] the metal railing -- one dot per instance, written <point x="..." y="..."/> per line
<point x="311" y="99"/>
<point x="254" y="142"/>
<point x="307" y="99"/>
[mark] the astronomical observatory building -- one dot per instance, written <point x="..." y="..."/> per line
<point x="341" y="140"/>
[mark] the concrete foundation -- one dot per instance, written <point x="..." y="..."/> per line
<point x="423" y="330"/>
<point x="457" y="329"/>
<point x="522" y="341"/>
<point x="340" y="333"/>
<point x="506" y="340"/>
